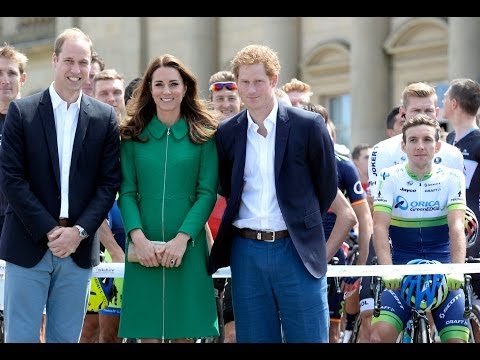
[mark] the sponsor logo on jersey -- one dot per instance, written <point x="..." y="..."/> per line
<point x="408" y="190"/>
<point x="450" y="303"/>
<point x="402" y="204"/>
<point x="452" y="322"/>
<point x="373" y="160"/>
<point x="357" y="188"/>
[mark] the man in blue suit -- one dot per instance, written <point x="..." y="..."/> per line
<point x="60" y="171"/>
<point x="277" y="170"/>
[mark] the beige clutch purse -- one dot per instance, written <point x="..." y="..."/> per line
<point x="132" y="251"/>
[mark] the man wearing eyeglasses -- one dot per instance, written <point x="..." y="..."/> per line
<point x="225" y="99"/>
<point x="224" y="94"/>
<point x="275" y="167"/>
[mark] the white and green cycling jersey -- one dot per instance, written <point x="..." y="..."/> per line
<point x="418" y="209"/>
<point x="389" y="152"/>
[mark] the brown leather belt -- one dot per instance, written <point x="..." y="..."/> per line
<point x="269" y="236"/>
<point x="63" y="222"/>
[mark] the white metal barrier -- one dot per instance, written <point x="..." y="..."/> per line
<point x="110" y="270"/>
<point x="117" y="270"/>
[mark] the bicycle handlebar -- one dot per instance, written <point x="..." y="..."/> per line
<point x="467" y="290"/>
<point x="377" y="295"/>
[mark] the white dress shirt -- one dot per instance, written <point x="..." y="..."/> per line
<point x="259" y="209"/>
<point x="66" y="120"/>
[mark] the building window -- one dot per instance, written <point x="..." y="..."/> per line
<point x="340" y="113"/>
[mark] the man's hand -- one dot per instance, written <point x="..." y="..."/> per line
<point x="392" y="282"/>
<point x="63" y="241"/>
<point x="455" y="281"/>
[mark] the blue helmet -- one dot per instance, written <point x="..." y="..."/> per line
<point x="426" y="291"/>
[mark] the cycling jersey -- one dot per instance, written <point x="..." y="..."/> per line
<point x="116" y="225"/>
<point x="419" y="230"/>
<point x="389" y="152"/>
<point x="469" y="147"/>
<point x="418" y="208"/>
<point x="350" y="185"/>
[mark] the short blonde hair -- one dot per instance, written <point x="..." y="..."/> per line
<point x="257" y="54"/>
<point x="10" y="53"/>
<point x="108" y="74"/>
<point x="297" y="85"/>
<point x="418" y="90"/>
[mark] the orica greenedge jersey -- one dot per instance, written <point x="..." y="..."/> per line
<point x="389" y="152"/>
<point x="418" y="209"/>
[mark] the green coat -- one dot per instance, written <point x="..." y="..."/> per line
<point x="169" y="186"/>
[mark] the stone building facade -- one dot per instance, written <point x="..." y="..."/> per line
<point x="357" y="67"/>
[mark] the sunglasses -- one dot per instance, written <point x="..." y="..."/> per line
<point x="229" y="85"/>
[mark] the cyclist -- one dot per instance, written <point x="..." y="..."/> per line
<point x="417" y="98"/>
<point x="419" y="212"/>
<point x="460" y="106"/>
<point x="109" y="317"/>
<point x="224" y="98"/>
<point x="350" y="184"/>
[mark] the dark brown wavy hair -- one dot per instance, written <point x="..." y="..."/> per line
<point x="141" y="108"/>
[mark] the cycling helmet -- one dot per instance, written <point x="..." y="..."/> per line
<point x="426" y="291"/>
<point x="471" y="227"/>
<point x="100" y="291"/>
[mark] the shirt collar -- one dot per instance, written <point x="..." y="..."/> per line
<point x="272" y="117"/>
<point x="57" y="100"/>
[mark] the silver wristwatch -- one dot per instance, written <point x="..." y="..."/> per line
<point x="81" y="230"/>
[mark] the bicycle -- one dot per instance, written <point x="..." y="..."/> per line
<point x="417" y="329"/>
<point x="353" y="337"/>
<point x="474" y="318"/>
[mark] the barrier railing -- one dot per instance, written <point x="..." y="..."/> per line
<point x="117" y="270"/>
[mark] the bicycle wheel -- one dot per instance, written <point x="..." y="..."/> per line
<point x="474" y="320"/>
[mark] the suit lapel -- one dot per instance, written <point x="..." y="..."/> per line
<point x="83" y="120"/>
<point x="282" y="131"/>
<point x="48" y="121"/>
<point x="240" y="131"/>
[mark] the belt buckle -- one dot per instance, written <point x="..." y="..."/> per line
<point x="267" y="231"/>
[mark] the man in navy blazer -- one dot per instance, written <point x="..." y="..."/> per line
<point x="60" y="171"/>
<point x="277" y="170"/>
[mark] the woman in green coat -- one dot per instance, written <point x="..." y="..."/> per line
<point x="169" y="166"/>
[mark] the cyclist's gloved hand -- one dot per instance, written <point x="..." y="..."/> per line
<point x="350" y="281"/>
<point x="392" y="282"/>
<point x="455" y="281"/>
<point x="349" y="285"/>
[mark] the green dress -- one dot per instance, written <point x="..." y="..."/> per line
<point x="169" y="186"/>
